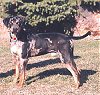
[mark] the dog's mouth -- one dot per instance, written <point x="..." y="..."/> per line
<point x="9" y="30"/>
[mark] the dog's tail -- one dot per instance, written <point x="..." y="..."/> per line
<point x="79" y="37"/>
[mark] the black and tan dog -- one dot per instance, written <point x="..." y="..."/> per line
<point x="25" y="45"/>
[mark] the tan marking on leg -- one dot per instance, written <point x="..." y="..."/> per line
<point x="23" y="63"/>
<point x="17" y="73"/>
<point x="74" y="72"/>
<point x="21" y="79"/>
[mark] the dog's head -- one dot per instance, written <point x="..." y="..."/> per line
<point x="14" y="24"/>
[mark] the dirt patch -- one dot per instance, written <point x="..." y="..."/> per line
<point x="4" y="35"/>
<point x="88" y="21"/>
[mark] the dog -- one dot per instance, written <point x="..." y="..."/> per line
<point x="25" y="45"/>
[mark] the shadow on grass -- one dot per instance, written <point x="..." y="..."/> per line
<point x="77" y="57"/>
<point x="36" y="65"/>
<point x="51" y="72"/>
<point x="30" y="66"/>
<point x="48" y="73"/>
<point x="6" y="74"/>
<point x="61" y="71"/>
<point x="46" y="62"/>
<point x="84" y="75"/>
<point x="43" y="63"/>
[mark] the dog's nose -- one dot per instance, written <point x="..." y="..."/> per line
<point x="14" y="29"/>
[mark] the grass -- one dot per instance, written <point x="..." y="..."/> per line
<point x="46" y="76"/>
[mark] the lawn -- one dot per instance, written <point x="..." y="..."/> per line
<point x="46" y="76"/>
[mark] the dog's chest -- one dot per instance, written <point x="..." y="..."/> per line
<point x="32" y="48"/>
<point x="16" y="48"/>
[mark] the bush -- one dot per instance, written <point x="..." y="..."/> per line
<point x="47" y="15"/>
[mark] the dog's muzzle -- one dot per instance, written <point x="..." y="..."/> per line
<point x="14" y="29"/>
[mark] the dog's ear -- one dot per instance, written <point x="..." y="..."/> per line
<point x="6" y="21"/>
<point x="21" y="18"/>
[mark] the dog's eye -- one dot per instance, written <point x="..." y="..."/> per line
<point x="17" y="22"/>
<point x="9" y="25"/>
<point x="12" y="21"/>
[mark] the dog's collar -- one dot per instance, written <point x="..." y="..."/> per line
<point x="13" y="38"/>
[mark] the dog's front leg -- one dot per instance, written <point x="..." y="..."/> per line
<point x="16" y="62"/>
<point x="23" y="63"/>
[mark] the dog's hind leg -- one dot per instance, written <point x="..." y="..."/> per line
<point x="74" y="72"/>
<point x="68" y="63"/>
